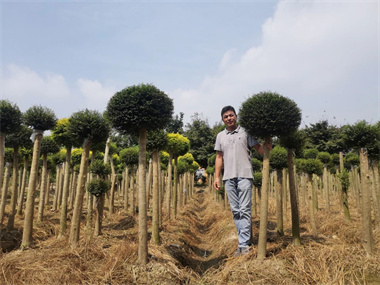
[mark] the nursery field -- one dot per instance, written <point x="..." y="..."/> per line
<point x="196" y="248"/>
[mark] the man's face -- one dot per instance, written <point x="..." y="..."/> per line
<point x="229" y="119"/>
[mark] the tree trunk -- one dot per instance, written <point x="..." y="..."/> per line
<point x="175" y="189"/>
<point x="126" y="187"/>
<point x="169" y="185"/>
<point x="311" y="190"/>
<point x="326" y="190"/>
<point x="4" y="191"/>
<point x="279" y="201"/>
<point x="112" y="191"/>
<point x="73" y="190"/>
<point x="293" y="200"/>
<point x="149" y="183"/>
<point x="262" y="245"/>
<point x="156" y="202"/>
<point x="99" y="214"/>
<point x="57" y="184"/>
<point x="65" y="194"/>
<point x="43" y="189"/>
<point x="2" y="157"/>
<point x="376" y="192"/>
<point x="368" y="242"/>
<point x="143" y="229"/>
<point x="20" y="203"/>
<point x="133" y="192"/>
<point x="12" y="213"/>
<point x="29" y="207"/>
<point x="77" y="212"/>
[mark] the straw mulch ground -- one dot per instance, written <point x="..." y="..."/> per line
<point x="197" y="248"/>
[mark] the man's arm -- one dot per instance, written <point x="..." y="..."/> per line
<point x="218" y="168"/>
<point x="260" y="147"/>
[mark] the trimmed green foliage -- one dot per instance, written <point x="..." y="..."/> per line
<point x="8" y="157"/>
<point x="294" y="141"/>
<point x="89" y="125"/>
<point x="130" y="155"/>
<point x="324" y="157"/>
<point x="268" y="114"/>
<point x="164" y="156"/>
<point x="210" y="169"/>
<point x="257" y="165"/>
<point x="211" y="160"/>
<point x="351" y="160"/>
<point x="60" y="156"/>
<point x="156" y="140"/>
<point x="21" y="138"/>
<point x="97" y="187"/>
<point x="311" y="153"/>
<point x="139" y="106"/>
<point x="48" y="145"/>
<point x="40" y="118"/>
<point x="278" y="158"/>
<point x="10" y="117"/>
<point x="76" y="156"/>
<point x="61" y="134"/>
<point x="344" y="180"/>
<point x="194" y="167"/>
<point x="177" y="144"/>
<point x="99" y="168"/>
<point x="257" y="179"/>
<point x="310" y="166"/>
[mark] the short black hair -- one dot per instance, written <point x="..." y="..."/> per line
<point x="227" y="108"/>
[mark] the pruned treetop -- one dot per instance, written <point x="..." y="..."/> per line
<point x="130" y="155"/>
<point x="90" y="125"/>
<point x="278" y="158"/>
<point x="177" y="144"/>
<point x="10" y="117"/>
<point x="61" y="134"/>
<point x="49" y="145"/>
<point x="156" y="140"/>
<point x="269" y="114"/>
<point x="40" y="118"/>
<point x="21" y="138"/>
<point x="139" y="106"/>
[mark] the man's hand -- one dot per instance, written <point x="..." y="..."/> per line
<point x="216" y="185"/>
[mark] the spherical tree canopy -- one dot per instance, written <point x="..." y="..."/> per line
<point x="130" y="155"/>
<point x="177" y="144"/>
<point x="182" y="166"/>
<point x="61" y="134"/>
<point x="194" y="167"/>
<point x="351" y="160"/>
<point x="139" y="106"/>
<point x="164" y="156"/>
<point x="310" y="166"/>
<point x="10" y="117"/>
<point x="99" y="168"/>
<point x="310" y="153"/>
<point x="257" y="165"/>
<point x="210" y="169"/>
<point x="97" y="187"/>
<point x="156" y="140"/>
<point x="40" y="118"/>
<point x="48" y="145"/>
<point x="60" y="156"/>
<point x="294" y="140"/>
<point x="26" y="153"/>
<point x="268" y="114"/>
<point x="257" y="179"/>
<point x="89" y="125"/>
<point x="188" y="158"/>
<point x="324" y="157"/>
<point x="8" y="157"/>
<point x="76" y="156"/>
<point x="21" y="138"/>
<point x="278" y="158"/>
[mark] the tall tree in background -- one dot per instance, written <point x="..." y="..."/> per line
<point x="10" y="121"/>
<point x="48" y="146"/>
<point x="86" y="127"/>
<point x="265" y="115"/>
<point x="201" y="139"/>
<point x="138" y="109"/>
<point x="175" y="124"/>
<point x="16" y="140"/>
<point x="39" y="119"/>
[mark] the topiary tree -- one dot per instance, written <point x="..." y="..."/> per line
<point x="16" y="140"/>
<point x="98" y="187"/>
<point x="278" y="161"/>
<point x="48" y="146"/>
<point x="364" y="138"/>
<point x="39" y="119"/>
<point x="310" y="153"/>
<point x="63" y="138"/>
<point x="177" y="145"/>
<point x="265" y="115"/>
<point x="293" y="142"/>
<point x="130" y="157"/>
<point x="157" y="140"/>
<point x="10" y="122"/>
<point x="136" y="110"/>
<point x="86" y="127"/>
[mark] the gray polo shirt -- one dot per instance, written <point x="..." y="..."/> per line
<point x="236" y="148"/>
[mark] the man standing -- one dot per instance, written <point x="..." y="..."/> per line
<point x="233" y="149"/>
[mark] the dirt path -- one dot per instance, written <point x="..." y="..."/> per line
<point x="199" y="252"/>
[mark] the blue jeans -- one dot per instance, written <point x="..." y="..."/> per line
<point x="239" y="193"/>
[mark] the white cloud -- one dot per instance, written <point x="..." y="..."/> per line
<point x="323" y="55"/>
<point x="96" y="95"/>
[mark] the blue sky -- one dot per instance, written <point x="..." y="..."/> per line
<point x="72" y="55"/>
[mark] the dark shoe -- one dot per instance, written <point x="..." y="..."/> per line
<point x="244" y="250"/>
<point x="237" y="252"/>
